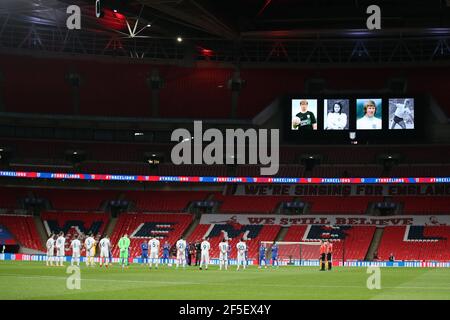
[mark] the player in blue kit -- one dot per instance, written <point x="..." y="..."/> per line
<point x="262" y="256"/>
<point x="144" y="248"/>
<point x="229" y="251"/>
<point x="110" y="255"/>
<point x="274" y="254"/>
<point x="188" y="256"/>
<point x="166" y="252"/>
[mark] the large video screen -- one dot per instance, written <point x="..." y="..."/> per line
<point x="342" y="117"/>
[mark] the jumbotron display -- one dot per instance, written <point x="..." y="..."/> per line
<point x="378" y="118"/>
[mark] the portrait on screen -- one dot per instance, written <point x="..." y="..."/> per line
<point x="401" y="113"/>
<point x="304" y="114"/>
<point x="369" y="114"/>
<point x="336" y="114"/>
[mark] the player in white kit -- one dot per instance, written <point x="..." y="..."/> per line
<point x="181" y="252"/>
<point x="105" y="245"/>
<point x="153" y="245"/>
<point x="241" y="248"/>
<point x="223" y="254"/>
<point x="204" y="260"/>
<point x="89" y="244"/>
<point x="50" y="250"/>
<point x="60" y="248"/>
<point x="76" y="248"/>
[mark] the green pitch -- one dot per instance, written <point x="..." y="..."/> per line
<point x="33" y="280"/>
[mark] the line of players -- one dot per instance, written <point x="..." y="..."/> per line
<point x="224" y="252"/>
<point x="262" y="255"/>
<point x="153" y="246"/>
<point x="76" y="246"/>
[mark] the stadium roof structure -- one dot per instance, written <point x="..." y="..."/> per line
<point x="235" y="31"/>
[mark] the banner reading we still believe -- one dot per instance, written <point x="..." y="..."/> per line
<point x="289" y="220"/>
<point x="343" y="190"/>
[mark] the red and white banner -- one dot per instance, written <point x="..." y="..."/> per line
<point x="343" y="190"/>
<point x="288" y="220"/>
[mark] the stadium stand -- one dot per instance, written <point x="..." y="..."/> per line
<point x="141" y="227"/>
<point x="350" y="242"/>
<point x="79" y="200"/>
<point x="6" y="238"/>
<point x="415" y="243"/>
<point x="160" y="201"/>
<point x="128" y="82"/>
<point x="75" y="223"/>
<point x="255" y="233"/>
<point x="248" y="204"/>
<point x="420" y="170"/>
<point x="424" y="205"/>
<point x="11" y="197"/>
<point x="340" y="205"/>
<point x="23" y="229"/>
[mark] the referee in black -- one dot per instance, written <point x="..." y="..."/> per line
<point x="323" y="254"/>
<point x="329" y="254"/>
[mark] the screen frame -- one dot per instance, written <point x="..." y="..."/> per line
<point x="377" y="136"/>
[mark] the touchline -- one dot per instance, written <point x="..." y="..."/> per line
<point x="213" y="153"/>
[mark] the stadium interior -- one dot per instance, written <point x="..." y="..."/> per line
<point x="105" y="99"/>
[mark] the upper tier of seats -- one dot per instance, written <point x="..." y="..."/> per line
<point x="164" y="201"/>
<point x="248" y="204"/>
<point x="340" y="205"/>
<point x="104" y="157"/>
<point x="80" y="200"/>
<point x="120" y="88"/>
<point x="424" y="205"/>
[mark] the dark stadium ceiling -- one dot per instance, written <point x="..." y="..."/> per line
<point x="242" y="19"/>
<point x="264" y="29"/>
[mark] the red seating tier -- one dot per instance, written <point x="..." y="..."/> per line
<point x="357" y="160"/>
<point x="129" y="222"/>
<point x="340" y="205"/>
<point x="393" y="242"/>
<point x="354" y="247"/>
<point x="24" y="230"/>
<point x="187" y="92"/>
<point x="82" y="200"/>
<point x="267" y="233"/>
<point x="424" y="205"/>
<point x="10" y="197"/>
<point x="88" y="219"/>
<point x="248" y="204"/>
<point x="164" y="201"/>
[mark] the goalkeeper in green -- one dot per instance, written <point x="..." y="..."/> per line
<point x="124" y="244"/>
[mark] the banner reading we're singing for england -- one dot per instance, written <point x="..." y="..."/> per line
<point x="343" y="190"/>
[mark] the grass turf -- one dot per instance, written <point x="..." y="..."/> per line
<point x="33" y="280"/>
